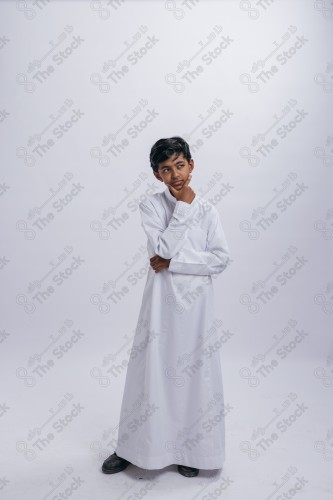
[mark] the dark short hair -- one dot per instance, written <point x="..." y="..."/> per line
<point x="163" y="149"/>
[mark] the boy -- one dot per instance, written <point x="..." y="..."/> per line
<point x="172" y="409"/>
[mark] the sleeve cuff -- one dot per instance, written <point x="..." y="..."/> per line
<point x="183" y="209"/>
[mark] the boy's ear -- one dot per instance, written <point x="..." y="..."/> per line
<point x="157" y="175"/>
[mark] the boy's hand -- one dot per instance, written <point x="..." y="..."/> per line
<point x="158" y="263"/>
<point x="185" y="193"/>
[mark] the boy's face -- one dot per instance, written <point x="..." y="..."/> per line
<point x="174" y="170"/>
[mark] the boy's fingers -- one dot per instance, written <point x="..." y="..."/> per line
<point x="188" y="180"/>
<point x="156" y="257"/>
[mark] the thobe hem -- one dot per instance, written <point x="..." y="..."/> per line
<point x="161" y="461"/>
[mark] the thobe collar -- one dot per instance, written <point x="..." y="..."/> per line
<point x="170" y="196"/>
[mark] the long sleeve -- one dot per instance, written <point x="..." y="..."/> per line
<point x="213" y="260"/>
<point x="166" y="242"/>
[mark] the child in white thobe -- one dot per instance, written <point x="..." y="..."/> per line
<point x="173" y="407"/>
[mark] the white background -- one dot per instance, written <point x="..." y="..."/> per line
<point x="86" y="89"/>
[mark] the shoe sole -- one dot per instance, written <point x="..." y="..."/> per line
<point x="114" y="470"/>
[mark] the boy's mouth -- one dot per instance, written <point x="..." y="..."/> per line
<point x="177" y="183"/>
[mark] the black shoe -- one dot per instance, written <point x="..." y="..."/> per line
<point x="188" y="471"/>
<point x="114" y="464"/>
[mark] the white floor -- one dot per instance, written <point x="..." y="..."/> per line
<point x="39" y="462"/>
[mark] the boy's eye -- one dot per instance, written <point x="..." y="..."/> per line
<point x="167" y="169"/>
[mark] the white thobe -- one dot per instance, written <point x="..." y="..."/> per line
<point x="172" y="410"/>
